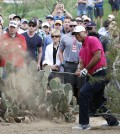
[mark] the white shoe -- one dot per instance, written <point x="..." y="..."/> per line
<point x="82" y="127"/>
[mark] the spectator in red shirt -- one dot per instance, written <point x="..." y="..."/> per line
<point x="12" y="46"/>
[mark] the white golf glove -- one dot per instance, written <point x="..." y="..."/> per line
<point x="83" y="72"/>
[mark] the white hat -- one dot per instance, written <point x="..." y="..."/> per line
<point x="111" y="16"/>
<point x="45" y="24"/>
<point x="13" y="23"/>
<point x="78" y="29"/>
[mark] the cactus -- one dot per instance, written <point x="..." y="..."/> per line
<point x="68" y="92"/>
<point x="54" y="84"/>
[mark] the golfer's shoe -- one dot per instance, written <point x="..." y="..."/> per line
<point x="82" y="127"/>
<point x="117" y="124"/>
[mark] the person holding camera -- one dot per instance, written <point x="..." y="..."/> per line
<point x="60" y="13"/>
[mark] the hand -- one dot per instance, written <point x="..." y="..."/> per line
<point x="83" y="72"/>
<point x="54" y="67"/>
<point x="77" y="72"/>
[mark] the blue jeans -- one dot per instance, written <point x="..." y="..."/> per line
<point x="89" y="89"/>
<point x="90" y="12"/>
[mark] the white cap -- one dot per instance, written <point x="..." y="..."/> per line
<point x="78" y="29"/>
<point x="13" y="23"/>
<point x="45" y="24"/>
<point x="111" y="17"/>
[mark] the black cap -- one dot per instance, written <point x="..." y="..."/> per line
<point x="33" y="21"/>
<point x="91" y="24"/>
<point x="17" y="17"/>
<point x="50" y="17"/>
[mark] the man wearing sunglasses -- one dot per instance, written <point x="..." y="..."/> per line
<point x="34" y="43"/>
<point x="68" y="54"/>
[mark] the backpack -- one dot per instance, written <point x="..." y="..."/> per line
<point x="110" y="2"/>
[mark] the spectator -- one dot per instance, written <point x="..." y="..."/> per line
<point x="1" y="29"/>
<point x="98" y="11"/>
<point x="111" y="17"/>
<point x="13" y="47"/>
<point x="81" y="7"/>
<point x="50" y="20"/>
<point x="79" y="21"/>
<point x="34" y="43"/>
<point x="24" y="26"/>
<point x="68" y="53"/>
<point x="114" y="6"/>
<point x="66" y="28"/>
<point x="90" y="8"/>
<point x="11" y="16"/>
<point x="92" y="62"/>
<point x="58" y="25"/>
<point x="60" y="13"/>
<point x="51" y="53"/>
<point x="46" y="28"/>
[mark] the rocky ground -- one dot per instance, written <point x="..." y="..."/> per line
<point x="50" y="127"/>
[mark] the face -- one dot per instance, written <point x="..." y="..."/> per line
<point x="58" y="26"/>
<point x="12" y="30"/>
<point x="50" y="21"/>
<point x="55" y="38"/>
<point x="32" y="27"/>
<point x="66" y="23"/>
<point x="80" y="36"/>
<point x="72" y="25"/>
<point x="46" y="29"/>
<point x="17" y="20"/>
<point x="24" y="26"/>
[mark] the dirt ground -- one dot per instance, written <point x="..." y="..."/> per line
<point x="50" y="127"/>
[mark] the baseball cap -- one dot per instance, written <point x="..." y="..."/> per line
<point x="50" y="17"/>
<point x="24" y="21"/>
<point x="91" y="24"/>
<point x="111" y="17"/>
<point x="86" y="19"/>
<point x="13" y="23"/>
<point x="17" y="17"/>
<point x="58" y="22"/>
<point x="45" y="24"/>
<point x="11" y="16"/>
<point x="78" y="29"/>
<point x="33" y="21"/>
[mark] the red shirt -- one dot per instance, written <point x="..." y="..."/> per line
<point x="89" y="47"/>
<point x="13" y="49"/>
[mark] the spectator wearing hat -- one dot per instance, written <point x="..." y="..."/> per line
<point x="60" y="13"/>
<point x="81" y="7"/>
<point x="17" y="19"/>
<point x="68" y="54"/>
<point x="46" y="28"/>
<point x="92" y="62"/>
<point x="79" y="21"/>
<point x="15" y="46"/>
<point x="98" y="11"/>
<point x="111" y="17"/>
<point x="34" y="43"/>
<point x="50" y="20"/>
<point x="11" y="16"/>
<point x="58" y="25"/>
<point x="115" y="4"/>
<point x="23" y="26"/>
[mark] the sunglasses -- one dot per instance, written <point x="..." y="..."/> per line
<point x="32" y="25"/>
<point x="73" y="25"/>
<point x="55" y="36"/>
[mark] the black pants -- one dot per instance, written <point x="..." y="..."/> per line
<point x="74" y="80"/>
<point x="89" y="89"/>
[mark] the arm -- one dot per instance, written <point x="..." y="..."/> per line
<point x="61" y="55"/>
<point x="39" y="57"/>
<point x="96" y="58"/>
<point x="95" y="2"/>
